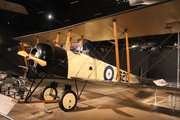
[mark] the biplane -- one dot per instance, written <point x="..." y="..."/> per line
<point x="50" y="58"/>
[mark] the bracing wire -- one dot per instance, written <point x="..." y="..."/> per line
<point x="157" y="62"/>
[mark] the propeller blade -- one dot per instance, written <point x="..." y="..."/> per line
<point x="23" y="53"/>
<point x="39" y="61"/>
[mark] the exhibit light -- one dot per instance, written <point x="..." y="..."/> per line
<point x="133" y="46"/>
<point x="73" y="2"/>
<point x="50" y="16"/>
<point x="98" y="14"/>
<point x="66" y="20"/>
<point x="41" y="12"/>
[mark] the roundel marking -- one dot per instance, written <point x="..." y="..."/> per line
<point x="108" y="73"/>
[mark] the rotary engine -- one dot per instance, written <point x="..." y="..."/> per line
<point x="12" y="86"/>
<point x="56" y="58"/>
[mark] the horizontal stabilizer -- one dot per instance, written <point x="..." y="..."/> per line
<point x="159" y="82"/>
<point x="147" y="81"/>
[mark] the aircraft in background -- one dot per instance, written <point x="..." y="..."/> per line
<point x="144" y="2"/>
<point x="142" y="46"/>
<point x="13" y="7"/>
<point x="52" y="59"/>
<point x="175" y="45"/>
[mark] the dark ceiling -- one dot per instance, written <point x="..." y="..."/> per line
<point x="65" y="13"/>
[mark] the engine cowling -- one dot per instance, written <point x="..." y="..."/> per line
<point x="56" y="58"/>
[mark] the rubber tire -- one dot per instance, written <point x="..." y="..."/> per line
<point x="45" y="89"/>
<point x="70" y="96"/>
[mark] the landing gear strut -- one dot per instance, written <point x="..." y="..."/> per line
<point x="68" y="98"/>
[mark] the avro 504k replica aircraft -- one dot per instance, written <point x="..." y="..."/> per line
<point x="161" y="18"/>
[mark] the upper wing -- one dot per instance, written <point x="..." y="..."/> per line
<point x="150" y="20"/>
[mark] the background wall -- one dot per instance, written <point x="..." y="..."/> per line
<point x="154" y="64"/>
<point x="9" y="62"/>
<point x="163" y="64"/>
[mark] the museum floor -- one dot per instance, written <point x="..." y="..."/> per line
<point x="104" y="102"/>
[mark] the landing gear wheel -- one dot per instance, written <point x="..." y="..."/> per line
<point x="48" y="93"/>
<point x="67" y="100"/>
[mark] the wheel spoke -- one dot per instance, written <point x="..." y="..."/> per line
<point x="48" y="93"/>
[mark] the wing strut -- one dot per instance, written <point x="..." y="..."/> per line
<point x="25" y="59"/>
<point x="80" y="46"/>
<point x="68" y="41"/>
<point x="37" y="40"/>
<point x="127" y="56"/>
<point x="57" y="40"/>
<point x="116" y="50"/>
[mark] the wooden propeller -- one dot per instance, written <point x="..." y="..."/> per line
<point x="39" y="61"/>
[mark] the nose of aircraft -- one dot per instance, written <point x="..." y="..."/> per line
<point x="55" y="59"/>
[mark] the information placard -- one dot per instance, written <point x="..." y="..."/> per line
<point x="6" y="104"/>
<point x="160" y="82"/>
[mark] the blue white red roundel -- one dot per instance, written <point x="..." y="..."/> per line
<point x="108" y="73"/>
